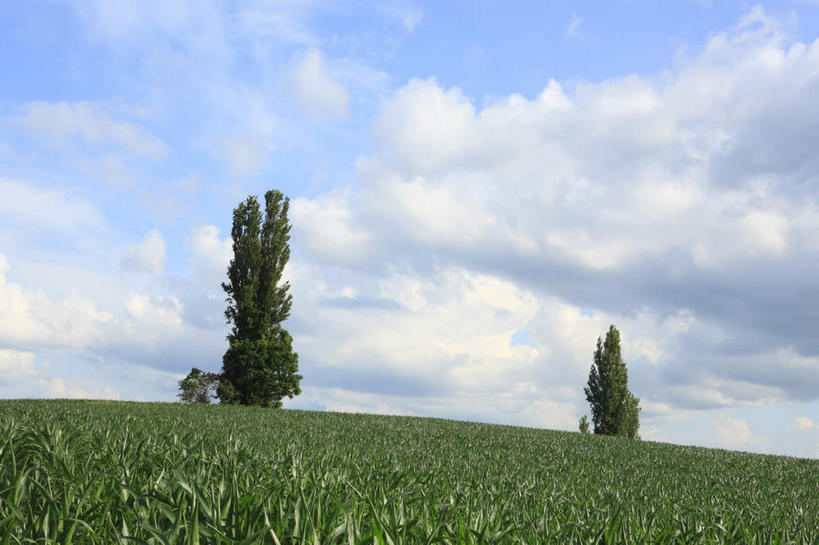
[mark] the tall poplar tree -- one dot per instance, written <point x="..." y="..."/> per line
<point x="615" y="410"/>
<point x="259" y="366"/>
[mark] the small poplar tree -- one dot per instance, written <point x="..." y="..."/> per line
<point x="584" y="424"/>
<point x="259" y="366"/>
<point x="615" y="410"/>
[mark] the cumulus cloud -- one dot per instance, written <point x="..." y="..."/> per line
<point x="316" y="89"/>
<point x="425" y="128"/>
<point x="460" y="344"/>
<point x="802" y="433"/>
<point x="91" y="123"/>
<point x="162" y="310"/>
<point x="22" y="375"/>
<point x="556" y="154"/>
<point x="25" y="206"/>
<point x="679" y="206"/>
<point x="619" y="171"/>
<point x="325" y="226"/>
<point x="73" y="389"/>
<point x="16" y="365"/>
<point x="732" y="432"/>
<point x="148" y="255"/>
<point x="32" y="319"/>
<point x="422" y="336"/>
<point x="210" y="253"/>
<point x="142" y="330"/>
<point x="802" y="423"/>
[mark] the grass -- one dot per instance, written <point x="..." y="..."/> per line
<point x="136" y="473"/>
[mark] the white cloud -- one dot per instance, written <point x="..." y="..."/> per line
<point x="565" y="336"/>
<point x="16" y="366"/>
<point x="244" y="156"/>
<point x="210" y="253"/>
<point x="327" y="228"/>
<point x="148" y="255"/>
<point x="574" y="24"/>
<point x="316" y="89"/>
<point x="426" y="128"/>
<point x="638" y="201"/>
<point x="802" y="423"/>
<point x="618" y="172"/>
<point x="31" y="319"/>
<point x="92" y="123"/>
<point x="756" y="235"/>
<point x="546" y="412"/>
<point x="733" y="433"/>
<point x="802" y="437"/>
<point x="253" y="129"/>
<point x="414" y="333"/>
<point x="154" y="331"/>
<point x="441" y="213"/>
<point x="523" y="405"/>
<point x="769" y="230"/>
<point x="25" y="206"/>
<point x="162" y="311"/>
<point x="466" y="322"/>
<point x="413" y="337"/>
<point x="344" y="401"/>
<point x="74" y="389"/>
<point x="109" y="168"/>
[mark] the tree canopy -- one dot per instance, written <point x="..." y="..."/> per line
<point x="198" y="387"/>
<point x="615" y="410"/>
<point x="584" y="424"/>
<point x="259" y="366"/>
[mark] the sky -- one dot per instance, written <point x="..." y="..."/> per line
<point x="477" y="191"/>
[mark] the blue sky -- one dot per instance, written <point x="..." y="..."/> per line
<point x="478" y="190"/>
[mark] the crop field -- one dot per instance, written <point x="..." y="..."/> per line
<point x="111" y="472"/>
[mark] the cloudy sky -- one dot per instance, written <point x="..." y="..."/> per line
<point x="477" y="191"/>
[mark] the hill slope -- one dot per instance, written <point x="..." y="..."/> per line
<point x="164" y="473"/>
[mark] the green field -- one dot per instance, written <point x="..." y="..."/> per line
<point x="110" y="472"/>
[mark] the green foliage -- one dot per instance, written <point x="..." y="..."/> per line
<point x="259" y="367"/>
<point x="265" y="371"/>
<point x="584" y="424"/>
<point x="118" y="473"/>
<point x="630" y="425"/>
<point x="615" y="410"/>
<point x="198" y="387"/>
